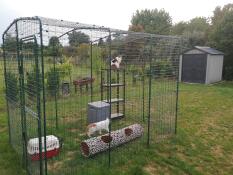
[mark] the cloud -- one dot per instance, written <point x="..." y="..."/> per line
<point x="7" y="15"/>
<point x="109" y="13"/>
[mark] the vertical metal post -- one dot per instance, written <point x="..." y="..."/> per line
<point x="149" y="103"/>
<point x="38" y="104"/>
<point x="22" y="102"/>
<point x="55" y="79"/>
<point x="124" y="92"/>
<point x="110" y="96"/>
<point x="143" y="97"/>
<point x="43" y="92"/>
<point x="91" y="75"/>
<point x="118" y="90"/>
<point x="6" y="86"/>
<point x="101" y="84"/>
<point x="177" y="92"/>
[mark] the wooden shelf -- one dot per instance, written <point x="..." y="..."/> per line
<point x="113" y="85"/>
<point x="120" y="69"/>
<point x="114" y="100"/>
<point x="116" y="115"/>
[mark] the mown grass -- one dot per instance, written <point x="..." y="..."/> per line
<point x="203" y="145"/>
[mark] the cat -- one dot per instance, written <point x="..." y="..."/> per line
<point x="98" y="126"/>
<point x="116" y="62"/>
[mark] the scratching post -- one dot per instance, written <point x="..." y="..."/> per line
<point x="101" y="143"/>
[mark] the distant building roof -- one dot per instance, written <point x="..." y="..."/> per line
<point x="209" y="50"/>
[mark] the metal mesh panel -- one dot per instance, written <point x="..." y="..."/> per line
<point x="12" y="89"/>
<point x="62" y="67"/>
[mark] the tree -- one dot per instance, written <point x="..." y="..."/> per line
<point x="136" y="28"/>
<point x="77" y="38"/>
<point x="83" y="52"/>
<point x="196" y="30"/>
<point x="219" y="13"/>
<point x="179" y="28"/>
<point x="54" y="47"/>
<point x="221" y="37"/>
<point x="12" y="91"/>
<point x="152" y="21"/>
<point x="54" y="41"/>
<point x="10" y="43"/>
<point x="32" y="83"/>
<point x="53" y="81"/>
<point x="198" y="24"/>
<point x="101" y="42"/>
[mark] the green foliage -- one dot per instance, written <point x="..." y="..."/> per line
<point x="55" y="75"/>
<point x="77" y="38"/>
<point x="53" y="81"/>
<point x="83" y="53"/>
<point x="219" y="13"/>
<point x="10" y="43"/>
<point x="221" y="37"/>
<point x="198" y="24"/>
<point x="179" y="28"/>
<point x="64" y="69"/>
<point x="160" y="68"/>
<point x="69" y="51"/>
<point x="196" y="30"/>
<point x="98" y="54"/>
<point x="152" y="21"/>
<point x="54" y="41"/>
<point x="136" y="28"/>
<point x="100" y="42"/>
<point x="54" y="48"/>
<point x="32" y="83"/>
<point x="12" y="91"/>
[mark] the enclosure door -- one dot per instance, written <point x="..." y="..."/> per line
<point x="194" y="68"/>
<point x="30" y="87"/>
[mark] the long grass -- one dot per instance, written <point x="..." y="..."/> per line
<point x="203" y="144"/>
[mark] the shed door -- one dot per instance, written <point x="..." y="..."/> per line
<point x="194" y="68"/>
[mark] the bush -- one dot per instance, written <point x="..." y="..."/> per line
<point x="160" y="68"/>
<point x="31" y="85"/>
<point x="12" y="91"/>
<point x="64" y="69"/>
<point x="53" y="81"/>
<point x="97" y="59"/>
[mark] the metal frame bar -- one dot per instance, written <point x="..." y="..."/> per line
<point x="109" y="77"/>
<point x="110" y="48"/>
<point x="56" y="90"/>
<point x="91" y="73"/>
<point x="43" y="93"/>
<point x="22" y="101"/>
<point x="6" y="86"/>
<point x="38" y="104"/>
<point x="149" y="103"/>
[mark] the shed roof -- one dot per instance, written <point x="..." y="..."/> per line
<point x="209" y="50"/>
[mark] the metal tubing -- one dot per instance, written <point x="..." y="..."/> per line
<point x="22" y="104"/>
<point x="110" y="96"/>
<point x="91" y="75"/>
<point x="38" y="104"/>
<point x="149" y="103"/>
<point x="7" y="105"/>
<point x="43" y="92"/>
<point x="55" y="79"/>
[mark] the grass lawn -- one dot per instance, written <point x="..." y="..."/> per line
<point x="204" y="144"/>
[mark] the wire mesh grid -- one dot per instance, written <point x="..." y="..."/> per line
<point x="57" y="71"/>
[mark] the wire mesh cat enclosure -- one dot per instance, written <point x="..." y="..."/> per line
<point x="82" y="98"/>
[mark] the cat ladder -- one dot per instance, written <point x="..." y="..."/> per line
<point x="115" y="90"/>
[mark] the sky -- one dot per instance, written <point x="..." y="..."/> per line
<point x="109" y="13"/>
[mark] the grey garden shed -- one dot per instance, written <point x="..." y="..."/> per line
<point x="201" y="65"/>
